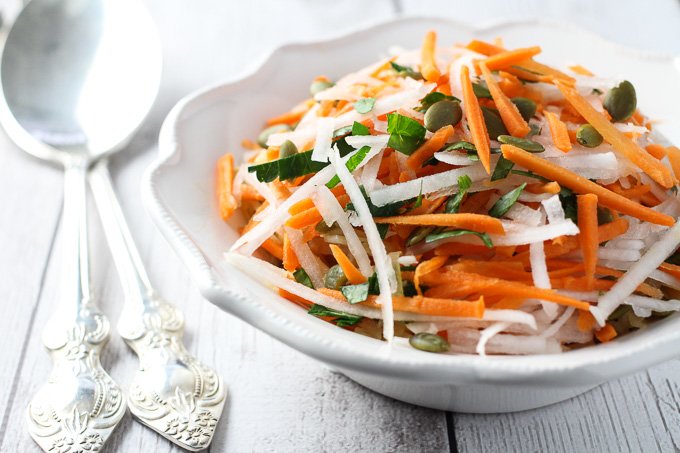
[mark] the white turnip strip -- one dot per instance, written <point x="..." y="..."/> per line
<point x="275" y="277"/>
<point x="588" y="296"/>
<point x="374" y="141"/>
<point x="657" y="274"/>
<point x="553" y="209"/>
<point x="540" y="276"/>
<point x="433" y="183"/>
<point x="637" y="274"/>
<point x="254" y="238"/>
<point x="314" y="267"/>
<point x="488" y="333"/>
<point x="557" y="325"/>
<point x="534" y="197"/>
<point x="465" y="340"/>
<point x="611" y="253"/>
<point x="593" y="166"/>
<point x="490" y="315"/>
<point x="324" y="137"/>
<point x="407" y="260"/>
<point x="632" y="244"/>
<point x="383" y="264"/>
<point x="570" y="333"/>
<point x="261" y="188"/>
<point x="369" y="176"/>
<point x="324" y="197"/>
<point x="454" y="158"/>
<point x="652" y="304"/>
<point x="239" y="179"/>
<point x="524" y="214"/>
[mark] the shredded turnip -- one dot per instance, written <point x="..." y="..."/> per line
<point x="454" y="158"/>
<point x="652" y="304"/>
<point x="557" y="325"/>
<point x="408" y="260"/>
<point x="336" y="213"/>
<point x="539" y="274"/>
<point x="411" y="189"/>
<point x="383" y="265"/>
<point x="324" y="136"/>
<point x="314" y="267"/>
<point x="533" y="197"/>
<point x="553" y="209"/>
<point x="465" y="340"/>
<point x="637" y="274"/>
<point x="488" y="333"/>
<point x="369" y="176"/>
<point x="524" y="214"/>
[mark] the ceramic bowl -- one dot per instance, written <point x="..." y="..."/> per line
<point x="178" y="193"/>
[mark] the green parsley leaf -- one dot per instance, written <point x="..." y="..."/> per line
<point x="505" y="202"/>
<point x="433" y="98"/>
<point x="359" y="129"/>
<point x="419" y="200"/>
<point x="352" y="164"/>
<point x="453" y="233"/>
<point x="596" y="91"/>
<point x="462" y="145"/>
<point x="453" y="203"/>
<point x="301" y="277"/>
<point x="290" y="167"/>
<point x="387" y="210"/>
<point x="406" y="134"/>
<point x="342" y="319"/>
<point x="569" y="204"/>
<point x="364" y="105"/>
<point x="406" y="71"/>
<point x="502" y="169"/>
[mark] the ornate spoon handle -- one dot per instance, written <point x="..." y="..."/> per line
<point x="172" y="392"/>
<point x="80" y="405"/>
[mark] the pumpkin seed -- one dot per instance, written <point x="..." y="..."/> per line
<point x="277" y="128"/>
<point x="429" y="342"/>
<point x="319" y="85"/>
<point x="523" y="143"/>
<point x="494" y="123"/>
<point x="287" y="148"/>
<point x="526" y="107"/>
<point x="442" y="114"/>
<point x="621" y="101"/>
<point x="335" y="278"/>
<point x="588" y="136"/>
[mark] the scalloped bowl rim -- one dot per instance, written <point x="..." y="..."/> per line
<point x="428" y="367"/>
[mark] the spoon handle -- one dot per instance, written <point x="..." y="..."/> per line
<point x="80" y="404"/>
<point x="172" y="392"/>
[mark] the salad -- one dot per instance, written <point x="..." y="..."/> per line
<point x="463" y="199"/>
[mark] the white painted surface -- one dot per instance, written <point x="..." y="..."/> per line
<point x="280" y="400"/>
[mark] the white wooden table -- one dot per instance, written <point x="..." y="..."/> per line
<point x="280" y="400"/>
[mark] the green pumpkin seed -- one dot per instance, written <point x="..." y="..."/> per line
<point x="494" y="123"/>
<point x="442" y="114"/>
<point x="335" y="278"/>
<point x="526" y="107"/>
<point x="429" y="342"/>
<point x="319" y="85"/>
<point x="277" y="128"/>
<point x="588" y="136"/>
<point x="621" y="101"/>
<point x="523" y="143"/>
<point x="287" y="148"/>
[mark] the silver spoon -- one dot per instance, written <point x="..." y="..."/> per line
<point x="78" y="77"/>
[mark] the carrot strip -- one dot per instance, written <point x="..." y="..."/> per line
<point x="474" y="222"/>
<point x="308" y="217"/>
<point x="551" y="187"/>
<point x="656" y="150"/>
<point x="619" y="141"/>
<point x="585" y="321"/>
<point x="587" y="224"/>
<point x="605" y="334"/>
<point x="581" y="185"/>
<point x="304" y="303"/>
<point x="249" y="193"/>
<point x="673" y="154"/>
<point x="291" y="117"/>
<point x="353" y="274"/>
<point x="426" y="267"/>
<point x="427" y="149"/>
<point x="290" y="260"/>
<point x="301" y="206"/>
<point x="460" y="249"/>
<point x="428" y="65"/>
<point x="558" y="131"/>
<point x="480" y="136"/>
<point x="670" y="269"/>
<point x="507" y="58"/>
<point x="225" y="181"/>
<point x="508" y="111"/>
<point x="512" y="303"/>
<point x="424" y="305"/>
<point x="274" y="247"/>
<point x="578" y="69"/>
<point x="454" y="284"/>
<point x="633" y="192"/>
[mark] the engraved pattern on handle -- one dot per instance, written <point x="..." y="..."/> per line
<point x="172" y="392"/>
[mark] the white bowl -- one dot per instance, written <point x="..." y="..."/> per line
<point x="178" y="192"/>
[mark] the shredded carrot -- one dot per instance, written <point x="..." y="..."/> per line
<point x="274" y="247"/>
<point x="508" y="111"/>
<point x="508" y="58"/>
<point x="291" y="118"/>
<point x="512" y="303"/>
<point x="353" y="274"/>
<point x="454" y="284"/>
<point x="578" y="69"/>
<point x="558" y="131"/>
<point x="587" y="225"/>
<point x="621" y="144"/>
<point x="656" y="150"/>
<point x="428" y="64"/>
<point x="670" y="269"/>
<point x="249" y="193"/>
<point x="289" y="258"/>
<point x="308" y="217"/>
<point x="427" y="149"/>
<point x="474" y="222"/>
<point x="605" y="334"/>
<point x="456" y="249"/>
<point x="585" y="321"/>
<point x="674" y="158"/>
<point x="581" y="185"/>
<point x="424" y="305"/>
<point x="633" y="192"/>
<point x="300" y="206"/>
<point x="304" y="303"/>
<point x="225" y="181"/>
<point x="549" y="187"/>
<point x="480" y="136"/>
<point x="426" y="267"/>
